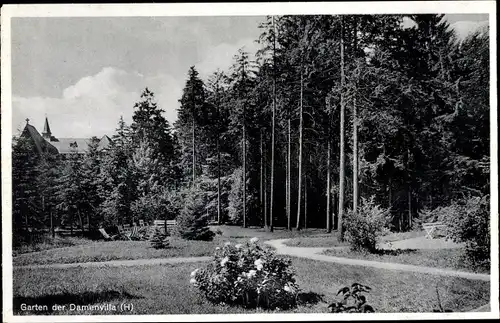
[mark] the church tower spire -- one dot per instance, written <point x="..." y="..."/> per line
<point x="46" y="130"/>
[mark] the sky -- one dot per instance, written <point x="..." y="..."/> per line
<point x="83" y="73"/>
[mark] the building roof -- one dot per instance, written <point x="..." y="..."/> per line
<point x="60" y="145"/>
<point x="41" y="145"/>
<point x="69" y="145"/>
<point x="105" y="142"/>
<point x="46" y="127"/>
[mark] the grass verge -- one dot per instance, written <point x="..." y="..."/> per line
<point x="75" y="250"/>
<point x="439" y="258"/>
<point x="116" y="250"/>
<point x="165" y="289"/>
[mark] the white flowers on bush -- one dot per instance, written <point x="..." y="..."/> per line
<point x="193" y="273"/>
<point x="192" y="281"/>
<point x="257" y="277"/>
<point x="224" y="261"/>
<point x="259" y="264"/>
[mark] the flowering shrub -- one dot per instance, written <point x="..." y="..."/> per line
<point x="248" y="275"/>
<point x="364" y="227"/>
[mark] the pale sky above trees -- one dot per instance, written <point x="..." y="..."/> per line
<point x="83" y="73"/>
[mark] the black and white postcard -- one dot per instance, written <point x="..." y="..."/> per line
<point x="249" y="162"/>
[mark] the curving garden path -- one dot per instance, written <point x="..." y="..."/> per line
<point x="281" y="248"/>
<point x="315" y="254"/>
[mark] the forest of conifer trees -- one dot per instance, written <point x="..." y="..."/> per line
<point x="333" y="110"/>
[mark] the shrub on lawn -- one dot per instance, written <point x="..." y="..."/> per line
<point x="364" y="227"/>
<point x="469" y="222"/>
<point x="192" y="222"/>
<point x="248" y="275"/>
<point x="159" y="240"/>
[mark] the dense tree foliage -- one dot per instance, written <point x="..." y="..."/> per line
<point x="260" y="144"/>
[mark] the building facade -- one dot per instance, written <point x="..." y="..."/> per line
<point x="47" y="143"/>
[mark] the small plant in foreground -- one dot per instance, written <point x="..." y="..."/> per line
<point x="159" y="240"/>
<point x="248" y="275"/>
<point x="441" y="308"/>
<point x="364" y="227"/>
<point x="353" y="300"/>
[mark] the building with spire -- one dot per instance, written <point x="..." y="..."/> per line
<point x="47" y="143"/>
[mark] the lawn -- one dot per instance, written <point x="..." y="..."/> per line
<point x="82" y="250"/>
<point x="320" y="239"/>
<point x="51" y="243"/>
<point x="116" y="250"/>
<point x="440" y="258"/>
<point x="236" y="232"/>
<point x="165" y="289"/>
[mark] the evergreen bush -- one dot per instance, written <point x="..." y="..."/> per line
<point x="159" y="239"/>
<point x="192" y="223"/>
<point x="364" y="227"/>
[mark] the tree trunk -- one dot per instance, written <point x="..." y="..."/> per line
<point x="409" y="191"/>
<point x="52" y="229"/>
<point x="355" y="142"/>
<point x="301" y="124"/>
<point x="80" y="219"/>
<point x="261" y="184"/>
<point x="273" y="129"/>
<point x="288" y="176"/>
<point x="194" y="152"/>
<point x="218" y="169"/>
<point x="334" y="217"/>
<point x="409" y="208"/>
<point x="305" y="202"/>
<point x="266" y="222"/>
<point x="328" y="188"/>
<point x="342" y="148"/>
<point x="244" y="172"/>
<point x="88" y="222"/>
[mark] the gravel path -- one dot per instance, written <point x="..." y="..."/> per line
<point x="121" y="263"/>
<point x="315" y="254"/>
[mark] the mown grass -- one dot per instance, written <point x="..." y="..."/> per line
<point x="75" y="250"/>
<point x="236" y="233"/>
<point x="439" y="258"/>
<point x="47" y="243"/>
<point x="117" y="250"/>
<point x="320" y="241"/>
<point x="396" y="236"/>
<point x="165" y="289"/>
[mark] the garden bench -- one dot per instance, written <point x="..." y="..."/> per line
<point x="170" y="223"/>
<point x="161" y="224"/>
<point x="106" y="235"/>
<point x="431" y="228"/>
